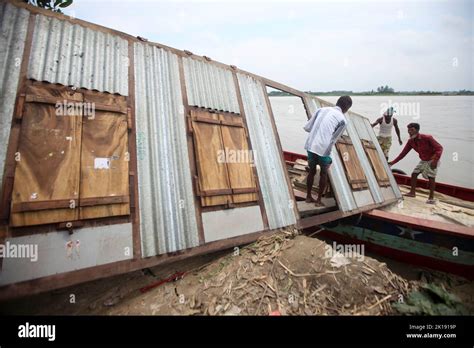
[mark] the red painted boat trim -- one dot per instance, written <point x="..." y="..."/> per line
<point x="422" y="224"/>
<point x="465" y="271"/>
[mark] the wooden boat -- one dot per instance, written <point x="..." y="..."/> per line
<point x="439" y="237"/>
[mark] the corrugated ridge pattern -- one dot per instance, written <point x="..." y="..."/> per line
<point x="274" y="188"/>
<point x="209" y="86"/>
<point x="72" y="55"/>
<point x="363" y="159"/>
<point x="13" y="29"/>
<point x="167" y="211"/>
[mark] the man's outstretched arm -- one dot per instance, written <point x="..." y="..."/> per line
<point x="402" y="154"/>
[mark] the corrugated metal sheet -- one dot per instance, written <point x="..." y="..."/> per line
<point x="271" y="174"/>
<point x="359" y="124"/>
<point x="373" y="138"/>
<point x="343" y="191"/>
<point x="167" y="211"/>
<point x="358" y="128"/>
<point x="73" y="55"/>
<point x="210" y="86"/>
<point x="13" y="28"/>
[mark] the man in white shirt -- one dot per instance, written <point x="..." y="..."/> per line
<point x="387" y="122"/>
<point x="324" y="128"/>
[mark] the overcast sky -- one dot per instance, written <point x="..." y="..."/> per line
<point x="312" y="45"/>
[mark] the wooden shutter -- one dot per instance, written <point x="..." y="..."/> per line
<point x="376" y="162"/>
<point x="354" y="172"/>
<point x="240" y="172"/>
<point x="222" y="179"/>
<point x="71" y="165"/>
<point x="104" y="187"/>
<point x="46" y="183"/>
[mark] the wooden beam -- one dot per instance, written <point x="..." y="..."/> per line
<point x="132" y="148"/>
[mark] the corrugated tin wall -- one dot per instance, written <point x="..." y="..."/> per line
<point x="73" y="55"/>
<point x="210" y="86"/>
<point x="373" y="138"/>
<point x="167" y="211"/>
<point x="357" y="128"/>
<point x="375" y="194"/>
<point x="13" y="28"/>
<point x="271" y="174"/>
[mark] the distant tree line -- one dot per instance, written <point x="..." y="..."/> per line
<point x="382" y="90"/>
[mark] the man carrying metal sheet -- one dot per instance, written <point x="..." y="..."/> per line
<point x="429" y="151"/>
<point x="387" y="123"/>
<point x="324" y="128"/>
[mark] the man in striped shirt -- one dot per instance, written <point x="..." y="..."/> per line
<point x="324" y="128"/>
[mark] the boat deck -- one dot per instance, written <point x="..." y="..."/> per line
<point x="447" y="209"/>
<point x="310" y="209"/>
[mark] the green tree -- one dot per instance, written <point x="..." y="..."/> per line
<point x="53" y="5"/>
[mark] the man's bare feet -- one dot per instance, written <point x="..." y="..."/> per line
<point x="410" y="194"/>
<point x="309" y="200"/>
<point x="319" y="204"/>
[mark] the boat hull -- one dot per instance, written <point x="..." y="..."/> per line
<point x="414" y="245"/>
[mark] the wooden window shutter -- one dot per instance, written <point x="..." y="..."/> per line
<point x="376" y="163"/>
<point x="46" y="183"/>
<point x="354" y="172"/>
<point x="105" y="158"/>
<point x="223" y="179"/>
<point x="72" y="164"/>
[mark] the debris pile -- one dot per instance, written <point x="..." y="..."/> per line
<point x="285" y="274"/>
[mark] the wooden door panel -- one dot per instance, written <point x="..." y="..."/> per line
<point x="213" y="176"/>
<point x="355" y="173"/>
<point x="46" y="184"/>
<point x="239" y="163"/>
<point x="105" y="161"/>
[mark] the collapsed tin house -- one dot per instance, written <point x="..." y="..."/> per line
<point x="132" y="178"/>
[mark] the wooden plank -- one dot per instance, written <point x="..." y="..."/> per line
<point x="85" y="202"/>
<point x="309" y="209"/>
<point x="239" y="165"/>
<point x="132" y="145"/>
<point x="49" y="149"/>
<point x="42" y="205"/>
<point x="105" y="159"/>
<point x="211" y="168"/>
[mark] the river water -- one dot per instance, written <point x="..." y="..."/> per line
<point x="449" y="119"/>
